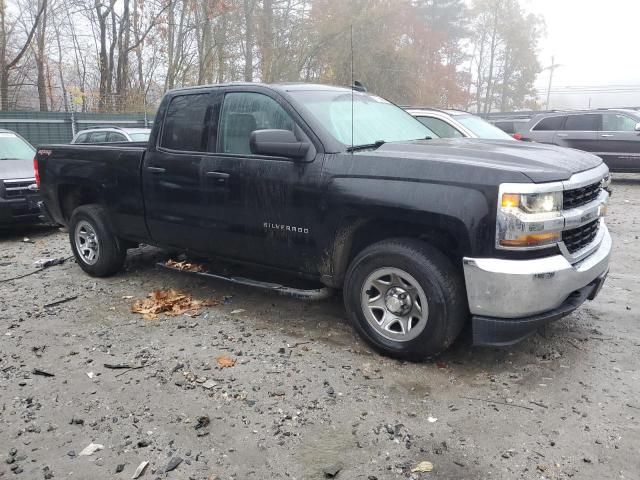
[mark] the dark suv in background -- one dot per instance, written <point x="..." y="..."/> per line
<point x="613" y="135"/>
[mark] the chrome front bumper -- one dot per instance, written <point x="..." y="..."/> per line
<point x="513" y="289"/>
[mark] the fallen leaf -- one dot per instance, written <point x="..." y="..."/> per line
<point x="225" y="362"/>
<point x="185" y="266"/>
<point x="422" y="467"/>
<point x="170" y="302"/>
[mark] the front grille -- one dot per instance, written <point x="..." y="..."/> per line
<point x="580" y="196"/>
<point x="17" y="188"/>
<point x="580" y="237"/>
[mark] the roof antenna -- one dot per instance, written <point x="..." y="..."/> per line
<point x="352" y="87"/>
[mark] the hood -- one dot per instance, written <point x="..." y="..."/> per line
<point x="12" y="169"/>
<point x="539" y="162"/>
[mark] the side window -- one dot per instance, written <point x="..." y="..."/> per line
<point x="508" y="127"/>
<point x="441" y="128"/>
<point x="98" y="137"/>
<point x="116" y="137"/>
<point x="582" y="123"/>
<point x="549" y="123"/>
<point x="82" y="138"/>
<point x="615" y="122"/>
<point x="244" y="112"/>
<point x="190" y="124"/>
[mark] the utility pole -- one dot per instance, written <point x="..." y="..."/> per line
<point x="551" y="69"/>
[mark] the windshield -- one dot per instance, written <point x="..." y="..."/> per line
<point x="481" y="128"/>
<point x="375" y="119"/>
<point x="13" y="147"/>
<point x="139" y="137"/>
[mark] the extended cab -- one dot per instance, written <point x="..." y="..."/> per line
<point x="421" y="234"/>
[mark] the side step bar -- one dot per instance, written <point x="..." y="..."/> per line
<point x="312" y="294"/>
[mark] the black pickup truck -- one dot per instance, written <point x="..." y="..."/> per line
<point x="421" y="234"/>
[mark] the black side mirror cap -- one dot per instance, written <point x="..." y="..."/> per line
<point x="277" y="143"/>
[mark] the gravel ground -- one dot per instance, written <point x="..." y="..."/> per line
<point x="305" y="397"/>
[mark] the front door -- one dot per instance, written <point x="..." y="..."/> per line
<point x="267" y="209"/>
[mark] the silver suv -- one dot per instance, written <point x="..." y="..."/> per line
<point x="613" y="135"/>
<point x="456" y="123"/>
<point x="112" y="135"/>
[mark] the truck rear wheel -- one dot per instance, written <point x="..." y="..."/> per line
<point x="405" y="298"/>
<point x="97" y="250"/>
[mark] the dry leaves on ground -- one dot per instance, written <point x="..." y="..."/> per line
<point x="185" y="266"/>
<point x="225" y="362"/>
<point x="170" y="302"/>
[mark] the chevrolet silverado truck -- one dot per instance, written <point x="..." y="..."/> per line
<point x="339" y="186"/>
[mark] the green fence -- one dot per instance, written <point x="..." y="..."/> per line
<point x="41" y="128"/>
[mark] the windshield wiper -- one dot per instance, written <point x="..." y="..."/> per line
<point x="376" y="144"/>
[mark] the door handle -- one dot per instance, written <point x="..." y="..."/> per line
<point x="156" y="169"/>
<point x="563" y="135"/>
<point x="607" y="135"/>
<point x="218" y="175"/>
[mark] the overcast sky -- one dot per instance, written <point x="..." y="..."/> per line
<point x="598" y="44"/>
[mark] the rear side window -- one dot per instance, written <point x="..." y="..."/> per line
<point x="549" y="123"/>
<point x="245" y="112"/>
<point x="616" y="122"/>
<point x="508" y="127"/>
<point x="98" y="137"/>
<point x="582" y="123"/>
<point x="116" y="137"/>
<point x="190" y="124"/>
<point x="440" y="127"/>
<point x="83" y="138"/>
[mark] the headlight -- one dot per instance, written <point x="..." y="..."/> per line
<point x="529" y="220"/>
<point x="533" y="202"/>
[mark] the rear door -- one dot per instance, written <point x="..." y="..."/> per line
<point x="544" y="130"/>
<point x="619" y="142"/>
<point x="580" y="131"/>
<point x="175" y="187"/>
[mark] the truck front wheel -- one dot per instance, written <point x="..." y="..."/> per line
<point x="405" y="298"/>
<point x="97" y="250"/>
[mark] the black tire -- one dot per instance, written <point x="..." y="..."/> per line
<point x="111" y="251"/>
<point x="440" y="282"/>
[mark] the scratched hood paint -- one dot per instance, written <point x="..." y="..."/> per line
<point x="539" y="162"/>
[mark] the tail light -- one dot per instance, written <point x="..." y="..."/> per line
<point x="517" y="136"/>
<point x="36" y="171"/>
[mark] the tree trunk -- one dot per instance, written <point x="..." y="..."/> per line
<point x="40" y="57"/>
<point x="248" y="42"/>
<point x="494" y="39"/>
<point x="266" y="63"/>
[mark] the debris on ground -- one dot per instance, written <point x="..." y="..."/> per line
<point x="202" y="422"/>
<point x="116" y="366"/>
<point x="58" y="302"/>
<point x="140" y="470"/>
<point x="37" y="371"/>
<point x="90" y="374"/>
<point x="91" y="449"/>
<point x="209" y="384"/>
<point x="239" y="310"/>
<point x="432" y="419"/>
<point x="170" y="302"/>
<point x="332" y="470"/>
<point x="49" y="262"/>
<point x="185" y="266"/>
<point x="225" y="362"/>
<point x="173" y="464"/>
<point x="422" y="467"/>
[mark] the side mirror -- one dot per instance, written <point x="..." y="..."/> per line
<point x="637" y="129"/>
<point x="277" y="143"/>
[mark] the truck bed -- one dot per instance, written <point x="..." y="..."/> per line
<point x="71" y="171"/>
